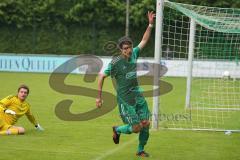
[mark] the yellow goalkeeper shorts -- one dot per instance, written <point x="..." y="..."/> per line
<point x="3" y="125"/>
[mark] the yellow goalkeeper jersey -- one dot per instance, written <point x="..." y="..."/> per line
<point x="20" y="108"/>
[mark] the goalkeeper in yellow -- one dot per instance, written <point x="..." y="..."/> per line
<point x="14" y="107"/>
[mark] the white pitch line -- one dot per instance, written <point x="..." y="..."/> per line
<point x="112" y="151"/>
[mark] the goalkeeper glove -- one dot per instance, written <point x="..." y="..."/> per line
<point x="39" y="128"/>
<point x="9" y="111"/>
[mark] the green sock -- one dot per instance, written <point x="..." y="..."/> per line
<point x="126" y="129"/>
<point x="143" y="138"/>
<point x="140" y="148"/>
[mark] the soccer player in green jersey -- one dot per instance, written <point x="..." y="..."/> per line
<point x="133" y="107"/>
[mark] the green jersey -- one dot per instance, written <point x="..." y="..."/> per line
<point x="125" y="73"/>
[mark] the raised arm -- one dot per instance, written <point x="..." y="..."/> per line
<point x="148" y="31"/>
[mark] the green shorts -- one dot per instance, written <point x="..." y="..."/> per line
<point x="133" y="114"/>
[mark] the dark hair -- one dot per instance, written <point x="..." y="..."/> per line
<point x="25" y="87"/>
<point x="124" y="40"/>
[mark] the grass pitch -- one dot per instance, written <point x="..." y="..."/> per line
<point x="92" y="140"/>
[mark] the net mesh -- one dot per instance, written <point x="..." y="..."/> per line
<point x="215" y="89"/>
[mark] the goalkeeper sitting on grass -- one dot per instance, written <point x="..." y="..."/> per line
<point x="132" y="105"/>
<point x="12" y="108"/>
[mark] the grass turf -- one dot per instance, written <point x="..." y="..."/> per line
<point x="86" y="140"/>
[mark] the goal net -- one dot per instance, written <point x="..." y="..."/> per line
<point x="206" y="41"/>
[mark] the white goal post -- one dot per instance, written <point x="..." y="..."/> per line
<point x="208" y="40"/>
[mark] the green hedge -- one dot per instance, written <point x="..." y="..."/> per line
<point x="75" y="26"/>
<point x="86" y="39"/>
